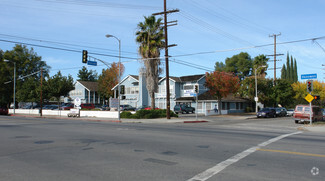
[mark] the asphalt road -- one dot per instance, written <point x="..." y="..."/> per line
<point x="35" y="149"/>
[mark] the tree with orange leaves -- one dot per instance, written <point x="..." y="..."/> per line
<point x="108" y="79"/>
<point x="221" y="84"/>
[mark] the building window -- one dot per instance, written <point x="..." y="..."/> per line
<point x="208" y="106"/>
<point x="188" y="87"/>
<point x="223" y="106"/>
<point x="228" y="105"/>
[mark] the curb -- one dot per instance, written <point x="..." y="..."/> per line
<point x="195" y="121"/>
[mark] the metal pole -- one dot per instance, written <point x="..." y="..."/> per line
<point x="196" y="111"/>
<point x="310" y="112"/>
<point x="14" y="87"/>
<point x="119" y="75"/>
<point x="41" y="99"/>
<point x="256" y="110"/>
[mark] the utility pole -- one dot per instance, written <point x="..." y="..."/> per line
<point x="274" y="55"/>
<point x="41" y="98"/>
<point x="166" y="54"/>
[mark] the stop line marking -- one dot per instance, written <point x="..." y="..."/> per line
<point x="222" y="165"/>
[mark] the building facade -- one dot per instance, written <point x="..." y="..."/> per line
<point x="86" y="91"/>
<point x="182" y="91"/>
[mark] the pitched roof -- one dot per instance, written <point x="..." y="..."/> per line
<point x="92" y="86"/>
<point x="135" y="77"/>
<point x="191" y="78"/>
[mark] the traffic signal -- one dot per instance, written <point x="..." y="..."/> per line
<point x="122" y="87"/>
<point x="309" y="86"/>
<point x="317" y="97"/>
<point x="196" y="88"/>
<point x="84" y="56"/>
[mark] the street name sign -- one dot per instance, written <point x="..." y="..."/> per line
<point x="92" y="63"/>
<point x="308" y="76"/>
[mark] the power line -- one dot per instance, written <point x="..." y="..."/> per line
<point x="100" y="4"/>
<point x="61" y="43"/>
<point x="249" y="47"/>
<point x="64" y="49"/>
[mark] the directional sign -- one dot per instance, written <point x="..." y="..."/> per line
<point x="309" y="98"/>
<point x="92" y="63"/>
<point x="308" y="76"/>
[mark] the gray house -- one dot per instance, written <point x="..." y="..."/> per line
<point x="182" y="91"/>
<point x="86" y="91"/>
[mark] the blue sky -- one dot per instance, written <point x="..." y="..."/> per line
<point x="218" y="26"/>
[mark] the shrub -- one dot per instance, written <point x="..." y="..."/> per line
<point x="147" y="114"/>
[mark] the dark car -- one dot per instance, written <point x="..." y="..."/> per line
<point x="181" y="108"/>
<point x="3" y="110"/>
<point x="127" y="107"/>
<point x="280" y="111"/>
<point x="266" y="113"/>
<point x="67" y="106"/>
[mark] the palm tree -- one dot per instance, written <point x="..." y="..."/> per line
<point x="150" y="36"/>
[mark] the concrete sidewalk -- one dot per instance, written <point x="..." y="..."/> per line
<point x="319" y="128"/>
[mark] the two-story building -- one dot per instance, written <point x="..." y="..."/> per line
<point x="86" y="91"/>
<point x="182" y="91"/>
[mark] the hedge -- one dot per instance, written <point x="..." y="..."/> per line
<point x="147" y="114"/>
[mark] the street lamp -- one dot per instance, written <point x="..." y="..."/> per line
<point x="119" y="72"/>
<point x="14" y="85"/>
<point x="256" y="98"/>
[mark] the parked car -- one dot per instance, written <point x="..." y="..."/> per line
<point x="4" y="110"/>
<point x="127" y="107"/>
<point x="323" y="114"/>
<point x="87" y="106"/>
<point x="290" y="112"/>
<point x="67" y="106"/>
<point x="50" y="107"/>
<point x="266" y="113"/>
<point x="302" y="114"/>
<point x="181" y="108"/>
<point x="280" y="111"/>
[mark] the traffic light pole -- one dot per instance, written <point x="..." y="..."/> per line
<point x="310" y="112"/>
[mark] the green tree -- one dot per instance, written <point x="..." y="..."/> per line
<point x="57" y="86"/>
<point x="288" y="74"/>
<point x="283" y="72"/>
<point x="289" y="71"/>
<point x="292" y="76"/>
<point x="295" y="72"/>
<point x="29" y="64"/>
<point x="260" y="63"/>
<point x="150" y="37"/>
<point x="283" y="93"/>
<point x="108" y="79"/>
<point x="240" y="65"/>
<point x="85" y="75"/>
<point x="219" y="66"/>
<point x="221" y="84"/>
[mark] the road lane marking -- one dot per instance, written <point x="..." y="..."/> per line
<point x="292" y="152"/>
<point x="222" y="165"/>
